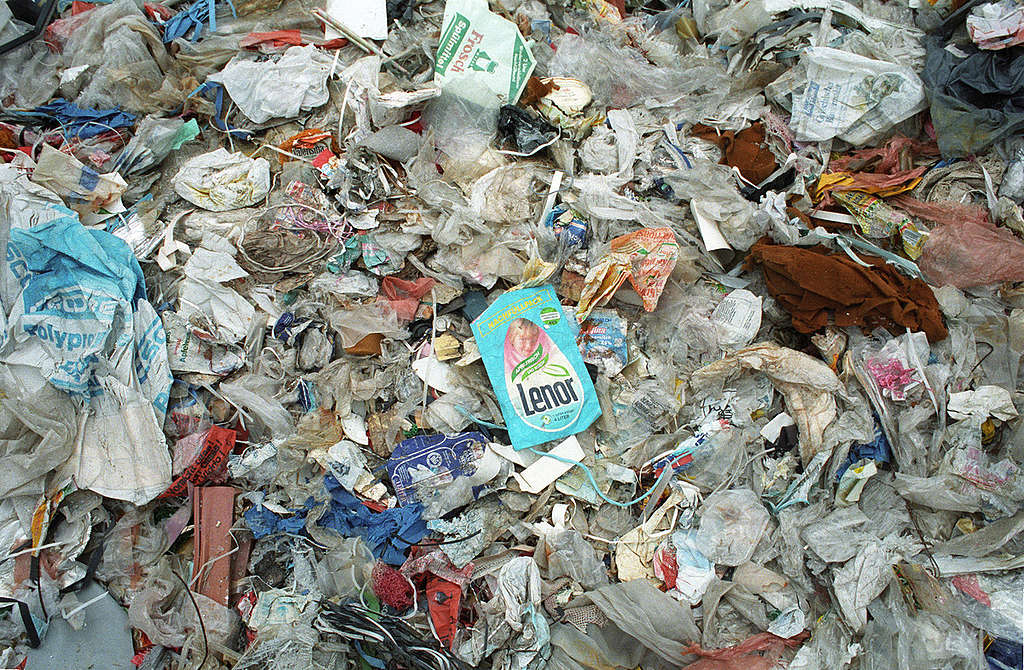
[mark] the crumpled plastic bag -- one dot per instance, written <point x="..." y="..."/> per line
<point x="38" y="423"/>
<point x="82" y="188"/>
<point x="984" y="401"/>
<point x="634" y="552"/>
<point x="861" y="579"/>
<point x="220" y="181"/>
<point x="567" y="552"/>
<point x="975" y="96"/>
<point x="619" y="79"/>
<point x="712" y="189"/>
<point x="266" y="90"/>
<point x="806" y="383"/>
<point x="163" y="611"/>
<point x="971" y="254"/>
<point x="153" y="140"/>
<point x="208" y="303"/>
<point x="249" y="394"/>
<point x="654" y="618"/>
<point x="732" y="523"/>
<point x="26" y="73"/>
<point x="23" y="202"/>
<point x="121" y="452"/>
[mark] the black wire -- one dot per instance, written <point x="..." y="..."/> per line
<point x="199" y="615"/>
<point x="925" y="544"/>
<point x="403" y="643"/>
<point x="34" y="575"/>
<point x="428" y="543"/>
<point x="991" y="350"/>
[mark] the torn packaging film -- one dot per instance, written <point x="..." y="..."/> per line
<point x="530" y="353"/>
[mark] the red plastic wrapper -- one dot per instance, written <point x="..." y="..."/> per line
<point x="210" y="462"/>
<point x="759" y="652"/>
<point x="941" y="212"/>
<point x="405" y="295"/>
<point x="443" y="602"/>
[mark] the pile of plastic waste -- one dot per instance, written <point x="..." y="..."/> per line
<point x="512" y="334"/>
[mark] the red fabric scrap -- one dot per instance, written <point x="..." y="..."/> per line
<point x="391" y="587"/>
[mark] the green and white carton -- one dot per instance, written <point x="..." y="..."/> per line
<point x="481" y="56"/>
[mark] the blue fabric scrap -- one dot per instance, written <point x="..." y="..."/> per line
<point x="82" y="123"/>
<point x="389" y="534"/>
<point x="877" y="450"/>
<point x="380" y="530"/>
<point x="263" y="522"/>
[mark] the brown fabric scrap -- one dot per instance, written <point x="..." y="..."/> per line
<point x="744" y="150"/>
<point x="820" y="288"/>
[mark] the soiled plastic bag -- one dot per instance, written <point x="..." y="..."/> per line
<point x="28" y="72"/>
<point x="221" y="181"/>
<point x="731" y="525"/>
<point x="121" y="452"/>
<point x="996" y="25"/>
<point x="158" y="608"/>
<point x="81" y="187"/>
<point x="806" y="383"/>
<point x="125" y="56"/>
<point x="967" y="124"/>
<point x="971" y="254"/>
<point x="634" y="552"/>
<point x="653" y="618"/>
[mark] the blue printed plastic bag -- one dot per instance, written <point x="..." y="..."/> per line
<point x="529" y="350"/>
<point x="76" y="309"/>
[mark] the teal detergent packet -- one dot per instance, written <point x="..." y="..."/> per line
<point x="529" y="350"/>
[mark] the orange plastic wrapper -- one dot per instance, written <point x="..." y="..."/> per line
<point x="882" y="185"/>
<point x="645" y="257"/>
<point x="307" y="144"/>
<point x="656" y="250"/>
